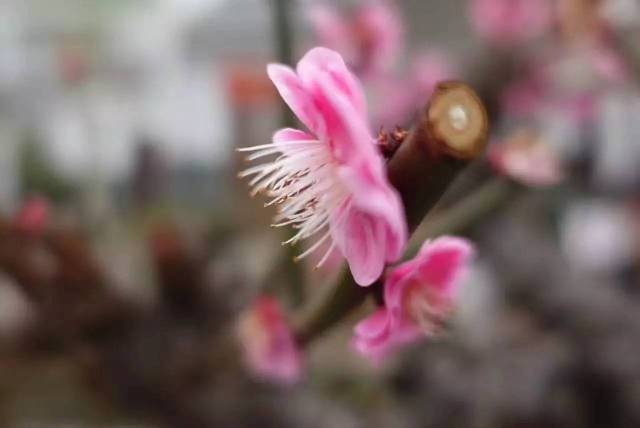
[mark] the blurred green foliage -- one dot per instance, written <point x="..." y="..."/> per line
<point x="37" y="176"/>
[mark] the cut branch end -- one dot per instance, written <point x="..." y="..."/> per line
<point x="457" y="120"/>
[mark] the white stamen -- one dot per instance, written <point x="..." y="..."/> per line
<point x="326" y="256"/>
<point x="303" y="183"/>
<point x="313" y="247"/>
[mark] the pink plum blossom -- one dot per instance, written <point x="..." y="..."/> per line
<point x="370" y="40"/>
<point x="331" y="182"/>
<point x="418" y="297"/>
<point x="33" y="216"/>
<point x="268" y="345"/>
<point x="567" y="81"/>
<point x="527" y="159"/>
<point x="510" y="22"/>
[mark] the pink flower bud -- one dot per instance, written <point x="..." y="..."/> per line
<point x="269" y="348"/>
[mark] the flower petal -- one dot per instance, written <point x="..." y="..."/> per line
<point x="294" y="94"/>
<point x="331" y="65"/>
<point x="374" y="326"/>
<point x="287" y="135"/>
<point x="394" y="286"/>
<point x="373" y="194"/>
<point x="361" y="239"/>
<point x="442" y="260"/>
<point x="372" y="336"/>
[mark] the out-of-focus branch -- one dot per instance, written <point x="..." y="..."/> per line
<point x="473" y="208"/>
<point x="450" y="133"/>
<point x="282" y="33"/>
<point x="282" y="28"/>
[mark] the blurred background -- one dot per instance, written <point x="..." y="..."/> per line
<point x="128" y="245"/>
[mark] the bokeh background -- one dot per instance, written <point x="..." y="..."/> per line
<point x="120" y="119"/>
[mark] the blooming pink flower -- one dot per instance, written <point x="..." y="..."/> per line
<point x="418" y="297"/>
<point x="509" y="22"/>
<point x="32" y="217"/>
<point x="370" y="41"/>
<point x="568" y="82"/>
<point x="333" y="182"/>
<point x="269" y="348"/>
<point x="527" y="159"/>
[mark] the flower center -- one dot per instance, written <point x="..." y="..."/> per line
<point x="426" y="307"/>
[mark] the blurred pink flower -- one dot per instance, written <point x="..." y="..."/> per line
<point x="268" y="345"/>
<point x="371" y="41"/>
<point x="608" y="64"/>
<point x="527" y="159"/>
<point x="418" y="296"/>
<point x="568" y="82"/>
<point x="510" y="22"/>
<point x="332" y="30"/>
<point x="333" y="182"/>
<point x="393" y="101"/>
<point x="429" y="69"/>
<point x="398" y="99"/>
<point x="33" y="216"/>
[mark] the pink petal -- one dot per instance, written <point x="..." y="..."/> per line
<point x="373" y="194"/>
<point x="289" y="134"/>
<point x="395" y="284"/>
<point x="294" y="94"/>
<point x="361" y="239"/>
<point x="375" y="340"/>
<point x="371" y="336"/>
<point x="442" y="260"/>
<point x="374" y="326"/>
<point x="346" y="131"/>
<point x="338" y="79"/>
<point x="286" y="135"/>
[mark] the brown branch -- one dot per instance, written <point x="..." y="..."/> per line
<point x="450" y="133"/>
